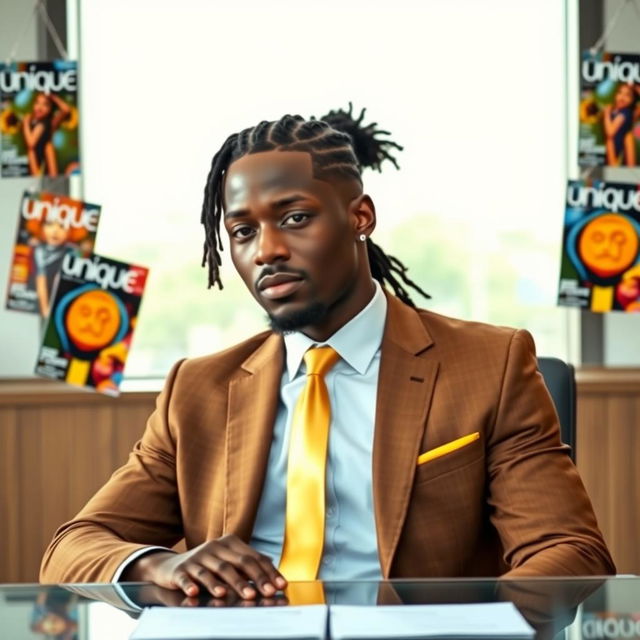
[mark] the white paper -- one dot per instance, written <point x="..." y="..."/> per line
<point x="238" y="623"/>
<point x="485" y="620"/>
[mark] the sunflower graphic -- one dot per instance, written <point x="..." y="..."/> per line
<point x="589" y="111"/>
<point x="9" y="122"/>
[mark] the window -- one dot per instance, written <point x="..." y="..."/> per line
<point x="467" y="87"/>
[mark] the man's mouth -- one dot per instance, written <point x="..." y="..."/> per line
<point x="279" y="285"/>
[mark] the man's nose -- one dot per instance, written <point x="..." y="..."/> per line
<point x="272" y="246"/>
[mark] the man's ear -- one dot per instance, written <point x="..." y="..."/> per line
<point x="364" y="215"/>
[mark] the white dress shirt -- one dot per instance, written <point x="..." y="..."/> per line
<point x="350" y="548"/>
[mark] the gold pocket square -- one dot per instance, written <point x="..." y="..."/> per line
<point x="442" y="450"/>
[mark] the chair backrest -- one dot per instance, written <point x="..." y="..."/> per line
<point x="561" y="381"/>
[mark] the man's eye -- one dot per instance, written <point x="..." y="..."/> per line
<point x="295" y="219"/>
<point x="242" y="232"/>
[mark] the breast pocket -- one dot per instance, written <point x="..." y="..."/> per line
<point x="449" y="457"/>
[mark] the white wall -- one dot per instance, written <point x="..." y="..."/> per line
<point x="19" y="332"/>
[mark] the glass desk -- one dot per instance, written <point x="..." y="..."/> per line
<point x="574" y="609"/>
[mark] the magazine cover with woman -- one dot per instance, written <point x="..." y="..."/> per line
<point x="600" y="268"/>
<point x="39" y="119"/>
<point x="49" y="226"/>
<point x="609" y="133"/>
<point x="93" y="316"/>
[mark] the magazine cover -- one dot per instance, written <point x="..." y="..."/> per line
<point x="600" y="267"/>
<point x="39" y="119"/>
<point x="93" y="316"/>
<point x="609" y="133"/>
<point x="49" y="225"/>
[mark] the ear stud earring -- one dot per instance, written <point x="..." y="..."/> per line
<point x="362" y="237"/>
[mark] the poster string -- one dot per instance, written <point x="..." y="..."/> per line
<point x="53" y="32"/>
<point x="610" y="26"/>
<point x="585" y="174"/>
<point x="39" y="7"/>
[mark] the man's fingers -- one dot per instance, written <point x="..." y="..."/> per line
<point x="227" y="572"/>
<point x="258" y="567"/>
<point x="254" y="569"/>
<point x="275" y="577"/>
<point x="245" y="560"/>
<point x="206" y="578"/>
<point x="182" y="580"/>
<point x="221" y="566"/>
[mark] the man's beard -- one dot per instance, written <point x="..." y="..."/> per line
<point x="312" y="315"/>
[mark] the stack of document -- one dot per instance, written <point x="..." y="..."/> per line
<point x="500" y="620"/>
<point x="241" y="623"/>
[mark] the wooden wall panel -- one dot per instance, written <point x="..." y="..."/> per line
<point x="58" y="446"/>
<point x="593" y="456"/>
<point x="32" y="492"/>
<point x="608" y="450"/>
<point x="92" y="430"/>
<point x="9" y="496"/>
<point x="129" y="422"/>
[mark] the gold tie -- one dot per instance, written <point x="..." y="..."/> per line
<point x="304" y="519"/>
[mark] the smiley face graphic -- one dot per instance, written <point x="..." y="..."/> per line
<point x="93" y="320"/>
<point x="608" y="245"/>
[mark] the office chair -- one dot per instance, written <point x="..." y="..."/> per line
<point x="561" y="382"/>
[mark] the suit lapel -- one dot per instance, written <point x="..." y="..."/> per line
<point x="405" y="387"/>
<point x="253" y="403"/>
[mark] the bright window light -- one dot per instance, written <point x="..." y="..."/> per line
<point x="467" y="87"/>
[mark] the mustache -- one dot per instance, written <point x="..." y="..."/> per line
<point x="273" y="270"/>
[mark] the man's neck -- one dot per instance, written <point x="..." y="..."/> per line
<point x="339" y="315"/>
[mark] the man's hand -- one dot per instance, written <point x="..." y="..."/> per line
<point x="150" y="595"/>
<point x="218" y="566"/>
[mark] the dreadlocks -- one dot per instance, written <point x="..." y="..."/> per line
<point x="339" y="145"/>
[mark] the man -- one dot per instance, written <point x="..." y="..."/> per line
<point x="406" y="444"/>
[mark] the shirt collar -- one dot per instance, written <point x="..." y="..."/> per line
<point x="357" y="342"/>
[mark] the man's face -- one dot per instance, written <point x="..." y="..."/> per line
<point x="293" y="241"/>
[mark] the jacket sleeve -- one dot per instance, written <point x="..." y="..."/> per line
<point x="136" y="508"/>
<point x="538" y="503"/>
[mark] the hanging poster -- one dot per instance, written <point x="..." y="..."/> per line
<point x="39" y="119"/>
<point x="609" y="133"/>
<point x="600" y="267"/>
<point x="93" y="316"/>
<point x="49" y="226"/>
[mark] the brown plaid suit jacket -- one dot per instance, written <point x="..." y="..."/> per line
<point x="507" y="500"/>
